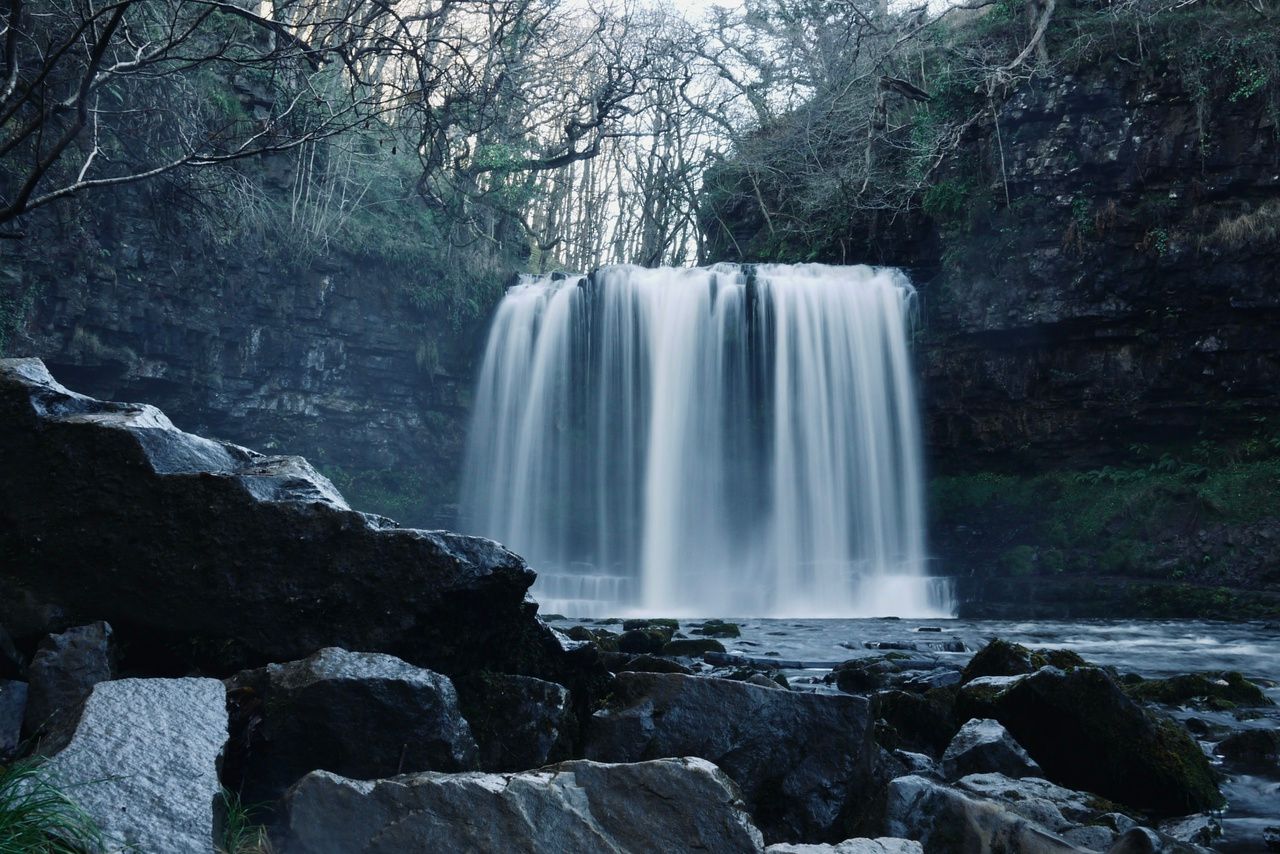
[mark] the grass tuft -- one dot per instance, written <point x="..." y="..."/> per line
<point x="241" y="832"/>
<point x="37" y="816"/>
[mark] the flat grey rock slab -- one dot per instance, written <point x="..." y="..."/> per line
<point x="143" y="763"/>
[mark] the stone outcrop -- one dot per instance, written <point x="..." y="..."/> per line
<point x="109" y="512"/>
<point x="983" y="746"/>
<point x="802" y="761"/>
<point x="62" y="674"/>
<point x="358" y="714"/>
<point x="143" y="763"/>
<point x="572" y="808"/>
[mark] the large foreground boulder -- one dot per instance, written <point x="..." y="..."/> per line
<point x="359" y="714"/>
<point x="1087" y="734"/>
<point x="803" y="761"/>
<point x="143" y="763"/>
<point x="107" y="511"/>
<point x="572" y="808"/>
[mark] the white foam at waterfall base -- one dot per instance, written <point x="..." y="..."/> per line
<point x="717" y="440"/>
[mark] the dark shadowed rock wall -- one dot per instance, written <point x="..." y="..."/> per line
<point x="330" y="359"/>
<point x="1110" y="301"/>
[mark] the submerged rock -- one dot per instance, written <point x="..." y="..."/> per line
<point x="1256" y="748"/>
<point x="359" y="714"/>
<point x="803" y="761"/>
<point x="984" y="746"/>
<point x="62" y="674"/>
<point x="143" y="763"/>
<point x="717" y="629"/>
<point x="519" y="722"/>
<point x="1087" y="734"/>
<point x="573" y="808"/>
<point x="113" y="513"/>
<point x="1220" y="690"/>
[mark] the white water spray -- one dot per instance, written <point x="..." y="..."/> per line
<point x="719" y="440"/>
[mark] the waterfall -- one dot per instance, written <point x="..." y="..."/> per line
<point x="721" y="440"/>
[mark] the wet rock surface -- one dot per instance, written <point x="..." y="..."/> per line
<point x="575" y="808"/>
<point x="179" y="537"/>
<point x="13" y="705"/>
<point x="1086" y="733"/>
<point x="802" y="761"/>
<point x="361" y="715"/>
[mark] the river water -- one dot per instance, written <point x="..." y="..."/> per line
<point x="1149" y="648"/>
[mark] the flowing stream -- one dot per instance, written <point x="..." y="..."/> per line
<point x="724" y="439"/>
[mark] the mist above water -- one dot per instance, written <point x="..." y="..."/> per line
<point x="710" y="440"/>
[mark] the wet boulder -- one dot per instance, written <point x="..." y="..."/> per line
<point x="1087" y="734"/>
<point x="646" y="664"/>
<point x="998" y="658"/>
<point x="646" y="640"/>
<point x="991" y="812"/>
<point x="717" y="629"/>
<point x="143" y="763"/>
<point x="691" y="647"/>
<point x="359" y="714"/>
<point x="1253" y="748"/>
<point x="803" y="761"/>
<point x="61" y="676"/>
<point x="573" y="808"/>
<point x="921" y="723"/>
<point x="860" y="845"/>
<point x="984" y="746"/>
<point x="519" y="722"/>
<point x="113" y="513"/>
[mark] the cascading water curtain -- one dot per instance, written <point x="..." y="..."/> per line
<point x="718" y="440"/>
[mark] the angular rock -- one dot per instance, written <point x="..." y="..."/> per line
<point x="113" y="513"/>
<point x="1012" y="819"/>
<point x="519" y="722"/>
<point x="62" y="674"/>
<point x="999" y="658"/>
<point x="359" y="714"/>
<point x="691" y="647"/>
<point x="13" y="703"/>
<point x="803" y="761"/>
<point x="1087" y="734"/>
<point x="921" y="723"/>
<point x="572" y="808"/>
<point x="983" y="746"/>
<point x="143" y="762"/>
<point x="879" y="845"/>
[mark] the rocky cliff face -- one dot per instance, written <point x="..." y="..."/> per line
<point x="1121" y="288"/>
<point x="331" y="359"/>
